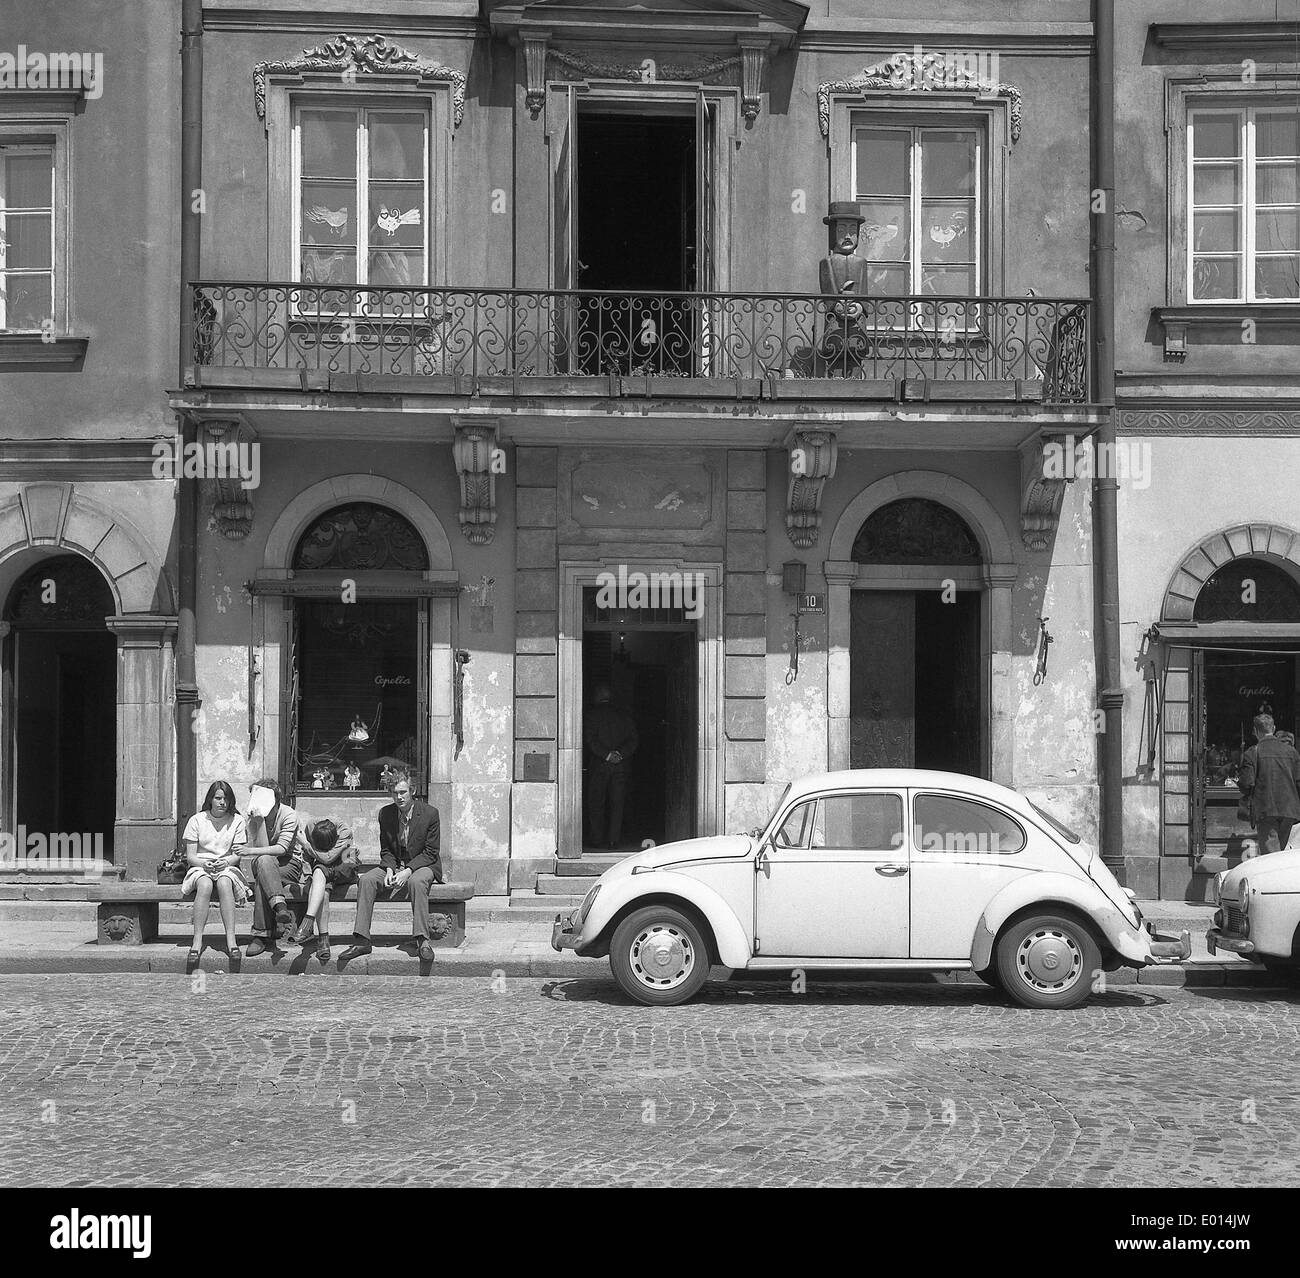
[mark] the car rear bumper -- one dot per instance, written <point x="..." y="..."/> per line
<point x="565" y="932"/>
<point x="1216" y="940"/>
<point x="1168" y="949"/>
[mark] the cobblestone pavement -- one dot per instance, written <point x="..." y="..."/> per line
<point x="139" y="1080"/>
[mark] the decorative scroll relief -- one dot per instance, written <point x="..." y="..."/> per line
<point x="813" y="454"/>
<point x="919" y="72"/>
<point x="359" y="55"/>
<point x="474" y="450"/>
<point x="1209" y="422"/>
<point x="1041" y="496"/>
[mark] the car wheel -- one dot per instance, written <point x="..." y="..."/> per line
<point x="1047" y="961"/>
<point x="659" y="957"/>
<point x="1283" y="972"/>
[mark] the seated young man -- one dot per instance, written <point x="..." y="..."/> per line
<point x="272" y="825"/>
<point x="329" y="860"/>
<point x="410" y="836"/>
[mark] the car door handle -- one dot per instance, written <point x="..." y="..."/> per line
<point x="891" y="871"/>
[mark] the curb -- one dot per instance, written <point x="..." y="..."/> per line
<point x="170" y="959"/>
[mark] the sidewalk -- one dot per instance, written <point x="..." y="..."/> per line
<point x="499" y="941"/>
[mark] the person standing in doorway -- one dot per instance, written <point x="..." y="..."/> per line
<point x="611" y="740"/>
<point x="1270" y="780"/>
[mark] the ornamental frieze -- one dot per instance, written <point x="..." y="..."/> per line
<point x="1194" y="421"/>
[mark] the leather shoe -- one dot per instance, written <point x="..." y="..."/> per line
<point x="323" y="948"/>
<point x="426" y="950"/>
<point x="258" y="945"/>
<point x="305" y="932"/>
<point x="355" y="951"/>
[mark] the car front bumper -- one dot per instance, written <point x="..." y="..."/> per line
<point x="1216" y="939"/>
<point x="1168" y="949"/>
<point x="565" y="932"/>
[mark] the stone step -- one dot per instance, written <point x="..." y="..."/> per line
<point x="547" y="903"/>
<point x="590" y="864"/>
<point x="567" y="885"/>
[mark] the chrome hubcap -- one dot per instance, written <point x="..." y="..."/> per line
<point x="662" y="956"/>
<point x="1049" y="959"/>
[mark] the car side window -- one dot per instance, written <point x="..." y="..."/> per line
<point x="860" y="822"/>
<point x="794" y="829"/>
<point x="945" y="823"/>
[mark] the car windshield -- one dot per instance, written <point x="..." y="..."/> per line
<point x="1064" y="831"/>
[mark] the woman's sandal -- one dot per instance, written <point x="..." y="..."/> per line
<point x="192" y="961"/>
<point x="236" y="958"/>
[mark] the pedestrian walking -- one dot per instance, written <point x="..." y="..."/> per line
<point x="410" y="836"/>
<point x="213" y="839"/>
<point x="1270" y="781"/>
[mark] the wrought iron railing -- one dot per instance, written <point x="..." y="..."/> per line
<point x="1040" y="343"/>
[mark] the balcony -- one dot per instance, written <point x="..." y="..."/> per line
<point x="534" y="342"/>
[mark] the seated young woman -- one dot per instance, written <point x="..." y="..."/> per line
<point x="213" y="839"/>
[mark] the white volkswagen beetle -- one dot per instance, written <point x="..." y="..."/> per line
<point x="1259" y="913"/>
<point x="872" y="870"/>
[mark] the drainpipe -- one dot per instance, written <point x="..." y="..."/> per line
<point x="187" y="689"/>
<point x="1110" y="695"/>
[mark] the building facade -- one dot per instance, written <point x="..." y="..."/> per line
<point x="517" y="359"/>
<point x="88" y="340"/>
<point x="1208" y="139"/>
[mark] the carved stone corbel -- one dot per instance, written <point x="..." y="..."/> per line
<point x="534" y="43"/>
<point x="753" y="63"/>
<point x="475" y="451"/>
<point x="1042" y="489"/>
<point x="813" y="455"/>
<point x="233" y="467"/>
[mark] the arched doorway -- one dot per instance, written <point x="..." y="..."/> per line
<point x="916" y="641"/>
<point x="60" y="671"/>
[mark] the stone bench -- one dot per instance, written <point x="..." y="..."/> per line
<point x="128" y="912"/>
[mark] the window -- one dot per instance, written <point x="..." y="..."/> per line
<point x="27" y="238"/>
<point x="845" y="822"/>
<point x="1244" y="203"/>
<point x="362" y="185"/>
<point x="920" y="189"/>
<point x="945" y="823"/>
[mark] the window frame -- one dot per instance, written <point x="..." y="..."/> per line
<point x="816" y="802"/>
<point x="1246" y="158"/>
<point x="363" y="110"/>
<point x="1221" y="88"/>
<point x="953" y="109"/>
<point x="47" y="134"/>
<point x="918" y="845"/>
<point x="285" y="95"/>
<point x="862" y="121"/>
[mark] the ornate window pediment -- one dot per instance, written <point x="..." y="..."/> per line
<point x="923" y="72"/>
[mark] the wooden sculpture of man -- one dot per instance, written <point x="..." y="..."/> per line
<point x="843" y="277"/>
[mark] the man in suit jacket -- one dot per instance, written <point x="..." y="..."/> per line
<point x="410" y="837"/>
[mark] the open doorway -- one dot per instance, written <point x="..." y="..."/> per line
<point x="914" y="681"/>
<point x="61" y="685"/>
<point x="647" y="661"/>
<point x="642" y="222"/>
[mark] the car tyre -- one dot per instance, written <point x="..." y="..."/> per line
<point x="659" y="956"/>
<point x="1047" y="960"/>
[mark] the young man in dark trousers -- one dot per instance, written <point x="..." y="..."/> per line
<point x="410" y="838"/>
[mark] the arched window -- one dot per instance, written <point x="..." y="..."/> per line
<point x="915" y="531"/>
<point x="66" y="591"/>
<point x="1248" y="590"/>
<point x="360" y="537"/>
